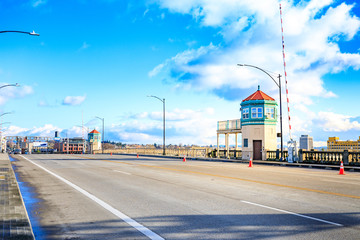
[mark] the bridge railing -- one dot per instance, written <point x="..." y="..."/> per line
<point x="321" y="157"/>
<point x="330" y="157"/>
<point x="157" y="151"/>
<point x="275" y="155"/>
<point x="234" y="154"/>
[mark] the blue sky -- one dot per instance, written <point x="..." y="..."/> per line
<point x="103" y="57"/>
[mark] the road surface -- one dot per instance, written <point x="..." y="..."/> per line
<point x="125" y="197"/>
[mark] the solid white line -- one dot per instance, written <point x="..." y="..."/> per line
<point x="122" y="172"/>
<point x="147" y="232"/>
<point x="296" y="214"/>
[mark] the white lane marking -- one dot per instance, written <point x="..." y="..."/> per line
<point x="292" y="213"/>
<point x="147" y="232"/>
<point x="122" y="172"/>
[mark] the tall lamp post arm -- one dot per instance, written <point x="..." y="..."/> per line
<point x="247" y="65"/>
<point x="10" y="85"/>
<point x="162" y="100"/>
<point x="30" y="33"/>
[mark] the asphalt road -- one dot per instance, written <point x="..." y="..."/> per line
<point x="124" y="197"/>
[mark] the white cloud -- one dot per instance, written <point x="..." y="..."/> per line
<point x="14" y="92"/>
<point x="319" y="144"/>
<point x="333" y="122"/>
<point x="182" y="126"/>
<point x="43" y="104"/>
<point x="37" y="3"/>
<point x="48" y="130"/>
<point x="145" y="12"/>
<point x="84" y="46"/>
<point x="74" y="100"/>
<point x="252" y="35"/>
<point x="15" y="131"/>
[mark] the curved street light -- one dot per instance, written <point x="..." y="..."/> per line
<point x="10" y="85"/>
<point x="278" y="84"/>
<point x="33" y="33"/>
<point x="103" y="134"/>
<point x="163" y="101"/>
<point x="6" y="113"/>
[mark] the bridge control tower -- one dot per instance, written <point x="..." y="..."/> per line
<point x="258" y="125"/>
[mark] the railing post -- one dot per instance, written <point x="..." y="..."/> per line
<point x="346" y="157"/>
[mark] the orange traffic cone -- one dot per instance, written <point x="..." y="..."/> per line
<point x="184" y="159"/>
<point x="341" y="169"/>
<point x="250" y="163"/>
<point x="137" y="156"/>
<point x="110" y="154"/>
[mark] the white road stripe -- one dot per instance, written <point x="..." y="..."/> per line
<point x="147" y="232"/>
<point x="292" y="213"/>
<point x="122" y="172"/>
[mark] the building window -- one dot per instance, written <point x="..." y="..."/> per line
<point x="246" y="113"/>
<point x="246" y="144"/>
<point x="256" y="112"/>
<point x="270" y="113"/>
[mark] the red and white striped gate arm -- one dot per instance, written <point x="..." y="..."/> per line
<point x="286" y="85"/>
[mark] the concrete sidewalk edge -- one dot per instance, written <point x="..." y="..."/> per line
<point x="15" y="219"/>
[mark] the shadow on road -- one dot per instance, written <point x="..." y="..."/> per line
<point x="247" y="226"/>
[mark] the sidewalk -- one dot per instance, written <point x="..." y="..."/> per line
<point x="14" y="221"/>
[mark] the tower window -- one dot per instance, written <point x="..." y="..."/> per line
<point x="256" y="112"/>
<point x="246" y="143"/>
<point x="270" y="113"/>
<point x="245" y="113"/>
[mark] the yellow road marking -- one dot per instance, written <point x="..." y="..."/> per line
<point x="242" y="179"/>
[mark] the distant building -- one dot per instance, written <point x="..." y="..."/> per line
<point x="306" y="142"/>
<point x="94" y="138"/>
<point x="334" y="143"/>
<point x="71" y="145"/>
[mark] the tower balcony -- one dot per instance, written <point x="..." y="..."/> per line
<point x="229" y="126"/>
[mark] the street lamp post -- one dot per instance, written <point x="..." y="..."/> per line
<point x="163" y="101"/>
<point x="279" y="86"/>
<point x="84" y="141"/>
<point x="103" y="134"/>
<point x="33" y="33"/>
